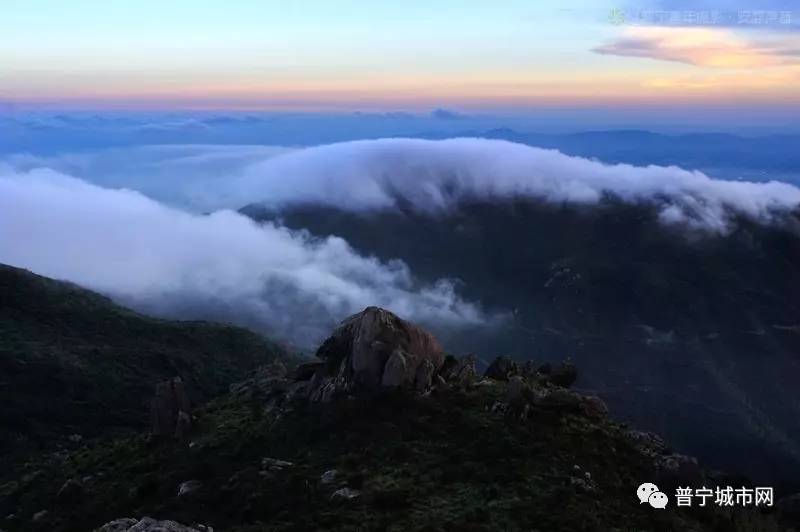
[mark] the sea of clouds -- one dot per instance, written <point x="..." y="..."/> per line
<point x="222" y="266"/>
<point x="155" y="227"/>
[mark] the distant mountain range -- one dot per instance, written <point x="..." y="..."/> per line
<point x="720" y="154"/>
<point x="696" y="336"/>
<point x="724" y="155"/>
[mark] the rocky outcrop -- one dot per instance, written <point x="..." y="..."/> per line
<point x="459" y="371"/>
<point x="189" y="487"/>
<point x="170" y="410"/>
<point x="501" y="369"/>
<point x="372" y="350"/>
<point x="564" y="375"/>
<point x="71" y="490"/>
<point x="147" y="524"/>
<point x="568" y="401"/>
<point x="671" y="468"/>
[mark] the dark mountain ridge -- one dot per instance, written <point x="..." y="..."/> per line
<point x="73" y="362"/>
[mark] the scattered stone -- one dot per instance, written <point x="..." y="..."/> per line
<point x="38" y="517"/>
<point x="30" y="477"/>
<point x="273" y="464"/>
<point x="678" y="469"/>
<point x="424" y="378"/>
<point x="570" y="402"/>
<point x="499" y="408"/>
<point x="594" y="407"/>
<point x="329" y="477"/>
<point x="71" y="490"/>
<point x="515" y="392"/>
<point x="345" y="494"/>
<point x="466" y="374"/>
<point x="501" y="369"/>
<point x="564" y="375"/>
<point x="528" y="369"/>
<point x="583" y="484"/>
<point x="147" y="524"/>
<point x="647" y="443"/>
<point x="118" y="525"/>
<point x="189" y="487"/>
<point x="75" y="438"/>
<point x="448" y="368"/>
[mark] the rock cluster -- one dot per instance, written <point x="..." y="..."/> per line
<point x="671" y="468"/>
<point x="543" y="388"/>
<point x="376" y="350"/>
<point x="147" y="524"/>
<point x="503" y="368"/>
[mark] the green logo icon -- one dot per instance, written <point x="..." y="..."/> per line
<point x="616" y="17"/>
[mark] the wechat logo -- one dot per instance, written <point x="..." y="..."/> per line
<point x="649" y="493"/>
<point x="616" y="17"/>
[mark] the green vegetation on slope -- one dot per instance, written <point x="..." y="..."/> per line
<point x="71" y="361"/>
<point x="442" y="462"/>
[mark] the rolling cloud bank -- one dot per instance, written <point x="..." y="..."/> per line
<point x="221" y="266"/>
<point x="133" y="225"/>
<point x="435" y="175"/>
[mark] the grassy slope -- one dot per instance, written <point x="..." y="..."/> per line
<point x="443" y="462"/>
<point x="71" y="361"/>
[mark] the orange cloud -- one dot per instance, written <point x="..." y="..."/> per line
<point x="706" y="47"/>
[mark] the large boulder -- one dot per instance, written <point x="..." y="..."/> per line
<point x="501" y="369"/>
<point x="565" y="374"/>
<point x="170" y="409"/>
<point x="373" y="350"/>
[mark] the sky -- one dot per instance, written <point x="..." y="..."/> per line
<point x="351" y="55"/>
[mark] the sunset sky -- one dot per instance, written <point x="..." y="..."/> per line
<point x="352" y="55"/>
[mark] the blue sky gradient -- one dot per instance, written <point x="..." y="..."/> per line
<point x="506" y="58"/>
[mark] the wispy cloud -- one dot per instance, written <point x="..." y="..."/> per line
<point x="705" y="47"/>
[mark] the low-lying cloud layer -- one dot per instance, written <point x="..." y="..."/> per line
<point x="435" y="175"/>
<point x="429" y="175"/>
<point x="221" y="266"/>
<point x="138" y="233"/>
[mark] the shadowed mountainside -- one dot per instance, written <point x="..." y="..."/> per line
<point x="71" y="361"/>
<point x="431" y="446"/>
<point x="696" y="336"/>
